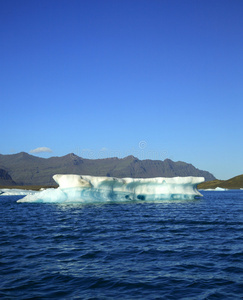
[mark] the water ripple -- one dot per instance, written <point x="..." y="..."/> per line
<point x="167" y="250"/>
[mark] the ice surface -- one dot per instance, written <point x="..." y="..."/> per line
<point x="217" y="189"/>
<point x="13" y="192"/>
<point x="89" y="189"/>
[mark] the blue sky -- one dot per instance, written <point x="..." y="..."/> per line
<point x="156" y="79"/>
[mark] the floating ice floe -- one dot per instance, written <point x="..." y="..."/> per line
<point x="217" y="189"/>
<point x="89" y="189"/>
<point x="15" y="192"/>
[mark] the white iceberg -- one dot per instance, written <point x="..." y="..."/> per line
<point x="16" y="192"/>
<point x="219" y="189"/>
<point x="89" y="189"/>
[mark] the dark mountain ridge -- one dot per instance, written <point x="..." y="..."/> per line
<point x="26" y="169"/>
<point x="5" y="178"/>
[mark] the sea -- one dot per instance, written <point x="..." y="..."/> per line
<point x="190" y="249"/>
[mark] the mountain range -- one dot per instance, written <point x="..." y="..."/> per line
<point x="25" y="169"/>
<point x="5" y="178"/>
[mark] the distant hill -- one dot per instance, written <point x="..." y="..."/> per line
<point x="5" y="178"/>
<point x="27" y="169"/>
<point x="233" y="183"/>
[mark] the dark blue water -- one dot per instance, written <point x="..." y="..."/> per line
<point x="167" y="250"/>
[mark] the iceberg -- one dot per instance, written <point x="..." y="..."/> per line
<point x="16" y="192"/>
<point x="217" y="189"/>
<point x="93" y="189"/>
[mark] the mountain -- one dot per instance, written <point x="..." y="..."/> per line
<point x="27" y="169"/>
<point x="232" y="183"/>
<point x="5" y="178"/>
